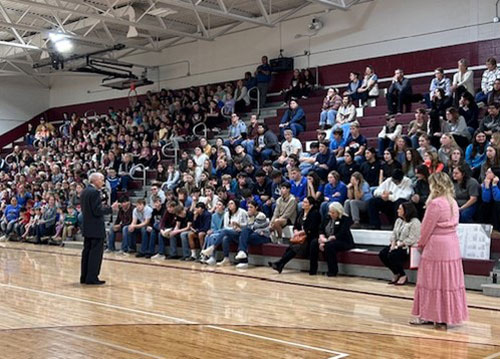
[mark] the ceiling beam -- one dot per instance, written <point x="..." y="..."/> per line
<point x="216" y="12"/>
<point x="89" y="39"/>
<point x="16" y="44"/>
<point x="336" y="4"/>
<point x="109" y="19"/>
<point x="263" y="11"/>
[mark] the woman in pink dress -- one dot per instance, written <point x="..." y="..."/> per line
<point x="440" y="292"/>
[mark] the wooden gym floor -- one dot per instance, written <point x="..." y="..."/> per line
<point x="171" y="309"/>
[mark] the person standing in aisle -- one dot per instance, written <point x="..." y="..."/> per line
<point x="93" y="229"/>
<point x="440" y="297"/>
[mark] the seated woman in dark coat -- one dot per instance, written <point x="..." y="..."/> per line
<point x="335" y="236"/>
<point x="307" y="221"/>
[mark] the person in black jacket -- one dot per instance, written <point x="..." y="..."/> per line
<point x="421" y="189"/>
<point x="93" y="229"/>
<point x="267" y="145"/>
<point x="307" y="221"/>
<point x="335" y="236"/>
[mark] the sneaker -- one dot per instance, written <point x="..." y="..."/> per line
<point x="190" y="259"/>
<point x="148" y="256"/>
<point x="207" y="252"/>
<point x="211" y="261"/>
<point x="158" y="256"/>
<point x="108" y="251"/>
<point x="224" y="263"/>
<point x="242" y="266"/>
<point x="140" y="255"/>
<point x="125" y="254"/>
<point x="3" y="238"/>
<point x="172" y="257"/>
<point x="241" y="255"/>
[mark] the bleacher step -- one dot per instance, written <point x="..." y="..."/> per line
<point x="491" y="290"/>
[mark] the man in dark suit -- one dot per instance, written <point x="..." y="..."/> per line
<point x="93" y="229"/>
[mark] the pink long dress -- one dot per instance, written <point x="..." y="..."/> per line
<point x="440" y="292"/>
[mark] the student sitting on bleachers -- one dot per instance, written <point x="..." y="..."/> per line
<point x="356" y="142"/>
<point x="388" y="196"/>
<point x="467" y="191"/>
<point x="417" y="127"/>
<point x="369" y="86"/>
<point x="388" y="134"/>
<point x="346" y="115"/>
<point x="440" y="81"/>
<point x="348" y="167"/>
<point x="256" y="233"/>
<point x="492" y="160"/>
<point x="489" y="76"/>
<point x="463" y="81"/>
<point x="405" y="234"/>
<point x="399" y="93"/>
<point x="331" y="104"/>
<point x="489" y="210"/>
<point x="285" y="212"/>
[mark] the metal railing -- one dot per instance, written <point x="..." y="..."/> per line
<point x="170" y="150"/>
<point x="255" y="99"/>
<point x="204" y="128"/>
<point x="9" y="156"/>
<point x="136" y="168"/>
<point x="91" y="115"/>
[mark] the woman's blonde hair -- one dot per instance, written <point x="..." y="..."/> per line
<point x="337" y="207"/>
<point x="441" y="185"/>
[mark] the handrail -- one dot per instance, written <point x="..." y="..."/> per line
<point x="94" y="116"/>
<point x="224" y="114"/>
<point x="257" y="99"/>
<point x="134" y="169"/>
<point x="171" y="145"/>
<point x="203" y="126"/>
<point x="8" y="156"/>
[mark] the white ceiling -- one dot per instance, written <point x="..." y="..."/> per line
<point x="97" y="24"/>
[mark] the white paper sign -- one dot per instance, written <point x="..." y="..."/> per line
<point x="475" y="240"/>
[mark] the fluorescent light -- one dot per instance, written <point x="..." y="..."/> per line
<point x="56" y="36"/>
<point x="63" y="46"/>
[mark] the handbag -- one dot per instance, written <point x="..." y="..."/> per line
<point x="298" y="238"/>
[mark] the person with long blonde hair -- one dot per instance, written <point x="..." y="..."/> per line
<point x="440" y="297"/>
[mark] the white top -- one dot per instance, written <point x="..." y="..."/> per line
<point x="240" y="217"/>
<point x="402" y="191"/>
<point x="292" y="147"/>
<point x="464" y="79"/>
<point x="392" y="136"/>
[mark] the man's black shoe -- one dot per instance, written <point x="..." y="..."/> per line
<point x="98" y="282"/>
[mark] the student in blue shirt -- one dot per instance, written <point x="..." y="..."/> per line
<point x="298" y="184"/>
<point x="10" y="216"/>
<point x="334" y="191"/>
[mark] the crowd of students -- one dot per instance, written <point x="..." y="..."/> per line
<point x="247" y="187"/>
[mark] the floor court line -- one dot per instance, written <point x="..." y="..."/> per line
<point x="111" y="345"/>
<point x="337" y="355"/>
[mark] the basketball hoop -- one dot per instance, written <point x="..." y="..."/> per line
<point x="132" y="95"/>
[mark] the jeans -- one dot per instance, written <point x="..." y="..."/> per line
<point x="466" y="215"/>
<point x="43" y="230"/>
<point x="148" y="243"/>
<point x="248" y="146"/>
<point x="295" y="127"/>
<point x="227" y="236"/>
<point x="112" y="237"/>
<point x="128" y="241"/>
<point x="248" y="236"/>
<point x="327" y="117"/>
<point x="7" y="227"/>
<point x="184" y="243"/>
<point x="481" y="97"/>
<point x="266" y="154"/>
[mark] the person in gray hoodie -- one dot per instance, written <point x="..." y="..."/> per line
<point x="256" y="233"/>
